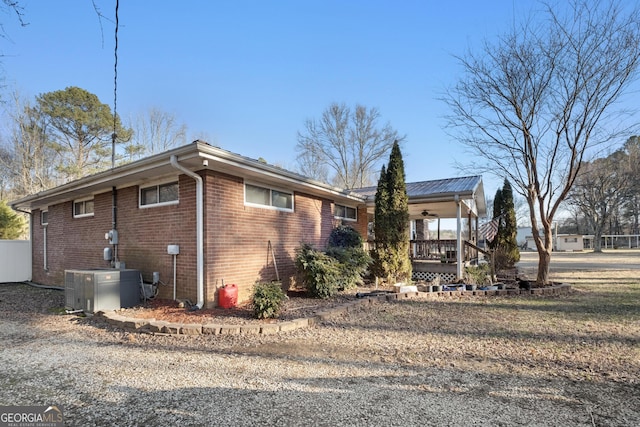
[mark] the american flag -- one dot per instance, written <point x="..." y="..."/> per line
<point x="489" y="229"/>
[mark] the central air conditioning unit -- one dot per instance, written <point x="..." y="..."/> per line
<point x="101" y="290"/>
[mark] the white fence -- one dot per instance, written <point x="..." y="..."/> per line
<point x="15" y="260"/>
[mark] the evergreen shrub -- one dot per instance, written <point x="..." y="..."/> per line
<point x="267" y="300"/>
<point x="353" y="264"/>
<point x="344" y="236"/>
<point x="319" y="273"/>
<point x="477" y="274"/>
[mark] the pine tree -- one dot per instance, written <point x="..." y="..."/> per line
<point x="398" y="217"/>
<point x="497" y="213"/>
<point x="380" y="266"/>
<point x="11" y="224"/>
<point x="505" y="243"/>
<point x="391" y="255"/>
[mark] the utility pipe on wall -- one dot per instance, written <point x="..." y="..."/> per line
<point x="174" y="277"/>
<point x="44" y="248"/>
<point x="199" y="227"/>
<point x="114" y="220"/>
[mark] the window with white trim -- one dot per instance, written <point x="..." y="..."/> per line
<point x="268" y="197"/>
<point x="44" y="217"/>
<point x="159" y="195"/>
<point x="345" y="212"/>
<point x="82" y="208"/>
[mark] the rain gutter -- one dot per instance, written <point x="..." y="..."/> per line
<point x="199" y="227"/>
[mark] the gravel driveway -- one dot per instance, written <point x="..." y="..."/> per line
<point x="352" y="371"/>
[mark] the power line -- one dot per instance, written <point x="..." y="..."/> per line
<point x="115" y="94"/>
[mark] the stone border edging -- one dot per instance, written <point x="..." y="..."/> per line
<point x="154" y="326"/>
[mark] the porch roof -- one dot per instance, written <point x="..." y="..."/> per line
<point x="437" y="198"/>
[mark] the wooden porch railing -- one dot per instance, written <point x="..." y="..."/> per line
<point x="432" y="249"/>
<point x="444" y="250"/>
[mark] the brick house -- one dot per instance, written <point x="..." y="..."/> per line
<point x="234" y="220"/>
<point x="249" y="214"/>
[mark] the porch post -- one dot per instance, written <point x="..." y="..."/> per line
<point x="458" y="238"/>
<point x="467" y="255"/>
<point x="439" y="249"/>
<point x="477" y="241"/>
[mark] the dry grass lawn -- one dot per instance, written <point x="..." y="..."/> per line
<point x="591" y="334"/>
<point x="527" y="360"/>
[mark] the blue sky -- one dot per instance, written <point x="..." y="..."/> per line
<point x="246" y="74"/>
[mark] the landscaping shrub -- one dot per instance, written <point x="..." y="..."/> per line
<point x="477" y="274"/>
<point x="319" y="273"/>
<point x="353" y="262"/>
<point x="505" y="257"/>
<point x="267" y="299"/>
<point x="344" y="236"/>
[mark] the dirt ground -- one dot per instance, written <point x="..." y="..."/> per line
<point x="571" y="360"/>
<point x="297" y="306"/>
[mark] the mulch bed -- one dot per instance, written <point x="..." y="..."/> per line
<point x="298" y="305"/>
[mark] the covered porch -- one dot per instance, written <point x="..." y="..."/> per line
<point x="457" y="201"/>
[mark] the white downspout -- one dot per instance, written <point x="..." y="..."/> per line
<point x="44" y="249"/>
<point x="199" y="227"/>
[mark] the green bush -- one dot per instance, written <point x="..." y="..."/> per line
<point x="267" y="299"/>
<point x="506" y="256"/>
<point x="319" y="273"/>
<point x="354" y="263"/>
<point x="477" y="275"/>
<point x="344" y="236"/>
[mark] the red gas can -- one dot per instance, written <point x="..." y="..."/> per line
<point x="228" y="296"/>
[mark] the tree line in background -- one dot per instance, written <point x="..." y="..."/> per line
<point x="533" y="104"/>
<point x="345" y="146"/>
<point x="605" y="198"/>
<point x="66" y="134"/>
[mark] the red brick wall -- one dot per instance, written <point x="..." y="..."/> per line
<point x="362" y="226"/>
<point x="72" y="243"/>
<point x="236" y="237"/>
<point x="145" y="234"/>
<point x="78" y="243"/>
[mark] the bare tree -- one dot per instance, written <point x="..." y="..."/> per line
<point x="6" y="158"/>
<point x="28" y="160"/>
<point x="154" y="131"/>
<point x="11" y="7"/>
<point x="631" y="164"/>
<point x="18" y="9"/>
<point x="531" y="105"/>
<point x="350" y="144"/>
<point x="598" y="192"/>
<point x="522" y="211"/>
<point x="309" y="166"/>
